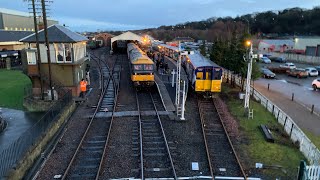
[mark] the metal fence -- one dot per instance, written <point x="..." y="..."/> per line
<point x="298" y="58"/>
<point x="10" y="157"/>
<point x="309" y="150"/>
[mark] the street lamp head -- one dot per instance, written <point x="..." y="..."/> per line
<point x="248" y="43"/>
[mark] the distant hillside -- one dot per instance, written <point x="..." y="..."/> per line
<point x="294" y="21"/>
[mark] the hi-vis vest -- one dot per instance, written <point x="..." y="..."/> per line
<point x="83" y="86"/>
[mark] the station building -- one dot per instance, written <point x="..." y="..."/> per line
<point x="119" y="43"/>
<point x="104" y="39"/>
<point x="68" y="59"/>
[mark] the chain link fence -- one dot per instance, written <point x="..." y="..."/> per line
<point x="10" y="157"/>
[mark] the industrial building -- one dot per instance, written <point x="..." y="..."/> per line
<point x="18" y="21"/>
<point x="275" y="45"/>
<point x="309" y="46"/>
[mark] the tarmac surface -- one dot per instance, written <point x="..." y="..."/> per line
<point x="280" y="93"/>
<point x="18" y="123"/>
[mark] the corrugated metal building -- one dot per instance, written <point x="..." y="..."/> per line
<point x="307" y="45"/>
<point x="275" y="45"/>
<point x="18" y="21"/>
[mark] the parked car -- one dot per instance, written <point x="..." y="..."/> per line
<point x="312" y="71"/>
<point x="298" y="72"/>
<point x="317" y="68"/>
<point x="316" y="84"/>
<point x="280" y="59"/>
<point x="266" y="73"/>
<point x="288" y="66"/>
<point x="265" y="60"/>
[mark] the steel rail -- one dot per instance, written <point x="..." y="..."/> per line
<point x="116" y="86"/>
<point x="140" y="137"/>
<point x="89" y="125"/>
<point x="230" y="142"/>
<point x="165" y="139"/>
<point x="205" y="139"/>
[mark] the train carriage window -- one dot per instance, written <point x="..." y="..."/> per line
<point x="217" y="74"/>
<point x="200" y="75"/>
<point x="137" y="67"/>
<point x="208" y="74"/>
<point x="148" y="67"/>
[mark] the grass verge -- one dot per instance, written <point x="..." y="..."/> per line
<point x="283" y="153"/>
<point x="12" y="88"/>
<point x="314" y="138"/>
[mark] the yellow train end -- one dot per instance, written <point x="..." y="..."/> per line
<point x="143" y="80"/>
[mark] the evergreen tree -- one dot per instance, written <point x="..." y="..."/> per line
<point x="203" y="49"/>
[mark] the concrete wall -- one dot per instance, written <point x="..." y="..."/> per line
<point x="298" y="58"/>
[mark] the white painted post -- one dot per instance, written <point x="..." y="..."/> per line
<point x="247" y="97"/>
<point x="178" y="88"/>
<point x="183" y="100"/>
<point x="173" y="72"/>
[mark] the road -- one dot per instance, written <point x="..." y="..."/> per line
<point x="303" y="93"/>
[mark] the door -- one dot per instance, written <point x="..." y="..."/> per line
<point x="199" y="81"/>
<point x="207" y="81"/>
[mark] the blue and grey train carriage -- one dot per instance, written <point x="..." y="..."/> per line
<point x="169" y="51"/>
<point x="204" y="75"/>
<point x="142" y="67"/>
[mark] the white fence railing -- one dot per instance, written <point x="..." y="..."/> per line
<point x="309" y="150"/>
<point x="313" y="173"/>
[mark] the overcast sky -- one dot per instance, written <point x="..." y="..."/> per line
<point x="90" y="15"/>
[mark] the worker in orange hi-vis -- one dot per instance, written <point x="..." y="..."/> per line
<point x="83" y="88"/>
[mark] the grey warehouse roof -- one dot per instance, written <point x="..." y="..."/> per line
<point x="56" y="34"/>
<point x="197" y="60"/>
<point x="7" y="36"/>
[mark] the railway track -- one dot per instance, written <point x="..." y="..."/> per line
<point x="151" y="143"/>
<point x="222" y="158"/>
<point x="89" y="156"/>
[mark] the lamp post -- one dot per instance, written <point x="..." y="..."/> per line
<point x="248" y="25"/>
<point x="247" y="96"/>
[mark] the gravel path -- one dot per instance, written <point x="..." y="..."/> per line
<point x="186" y="138"/>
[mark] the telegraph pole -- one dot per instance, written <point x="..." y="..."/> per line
<point x="37" y="44"/>
<point x="43" y="3"/>
<point x="247" y="96"/>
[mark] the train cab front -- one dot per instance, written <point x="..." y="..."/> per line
<point x="143" y="79"/>
<point x="208" y="80"/>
